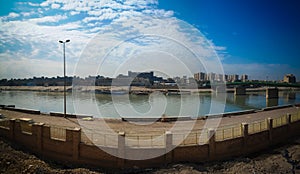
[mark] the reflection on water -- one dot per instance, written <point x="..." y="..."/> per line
<point x="272" y="102"/>
<point x="290" y="96"/>
<point x="241" y="99"/>
<point x="141" y="105"/>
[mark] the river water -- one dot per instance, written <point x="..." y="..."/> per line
<point x="103" y="105"/>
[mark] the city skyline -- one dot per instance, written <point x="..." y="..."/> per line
<point x="198" y="76"/>
<point x="258" y="38"/>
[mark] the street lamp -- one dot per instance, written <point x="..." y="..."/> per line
<point x="64" y="52"/>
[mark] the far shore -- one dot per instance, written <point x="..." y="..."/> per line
<point x="125" y="88"/>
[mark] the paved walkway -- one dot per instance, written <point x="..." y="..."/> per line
<point x="146" y="127"/>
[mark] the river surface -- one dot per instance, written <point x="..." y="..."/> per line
<point x="154" y="105"/>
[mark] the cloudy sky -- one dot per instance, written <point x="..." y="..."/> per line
<point x="256" y="37"/>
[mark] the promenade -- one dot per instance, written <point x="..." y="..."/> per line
<point x="122" y="126"/>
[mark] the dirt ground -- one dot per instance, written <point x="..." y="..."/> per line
<point x="284" y="159"/>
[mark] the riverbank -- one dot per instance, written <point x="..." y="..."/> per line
<point x="133" y="89"/>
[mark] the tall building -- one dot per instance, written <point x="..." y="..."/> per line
<point x="233" y="78"/>
<point x="289" y="78"/>
<point x="199" y="76"/>
<point x="244" y="78"/>
<point x="184" y="79"/>
<point x="226" y="77"/>
<point x="220" y="77"/>
<point x="211" y="77"/>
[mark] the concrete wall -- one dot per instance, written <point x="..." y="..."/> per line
<point x="257" y="142"/>
<point x="240" y="90"/>
<point x="195" y="153"/>
<point x="72" y="150"/>
<point x="271" y="93"/>
<point x="4" y="132"/>
<point x="229" y="148"/>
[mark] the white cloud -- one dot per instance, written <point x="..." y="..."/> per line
<point x="89" y="19"/>
<point x="141" y="4"/>
<point x="13" y="15"/>
<point x="114" y="21"/>
<point x="105" y="16"/>
<point x="26" y="14"/>
<point x="48" y="19"/>
<point x="55" y="6"/>
<point x="33" y="4"/>
<point x="44" y="4"/>
<point x="148" y="35"/>
<point x="95" y="12"/>
<point x="74" y="12"/>
<point x="160" y="13"/>
<point x="27" y="68"/>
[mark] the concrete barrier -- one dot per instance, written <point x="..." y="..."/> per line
<point x="277" y="107"/>
<point x="23" y="110"/>
<point x="153" y="119"/>
<point x="228" y="114"/>
<point x="4" y="106"/>
<point x="240" y="90"/>
<point x="58" y="114"/>
<point x="271" y="93"/>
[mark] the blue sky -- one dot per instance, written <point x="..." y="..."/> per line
<point x="258" y="38"/>
<point x="257" y="32"/>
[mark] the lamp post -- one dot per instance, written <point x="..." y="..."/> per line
<point x="64" y="52"/>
